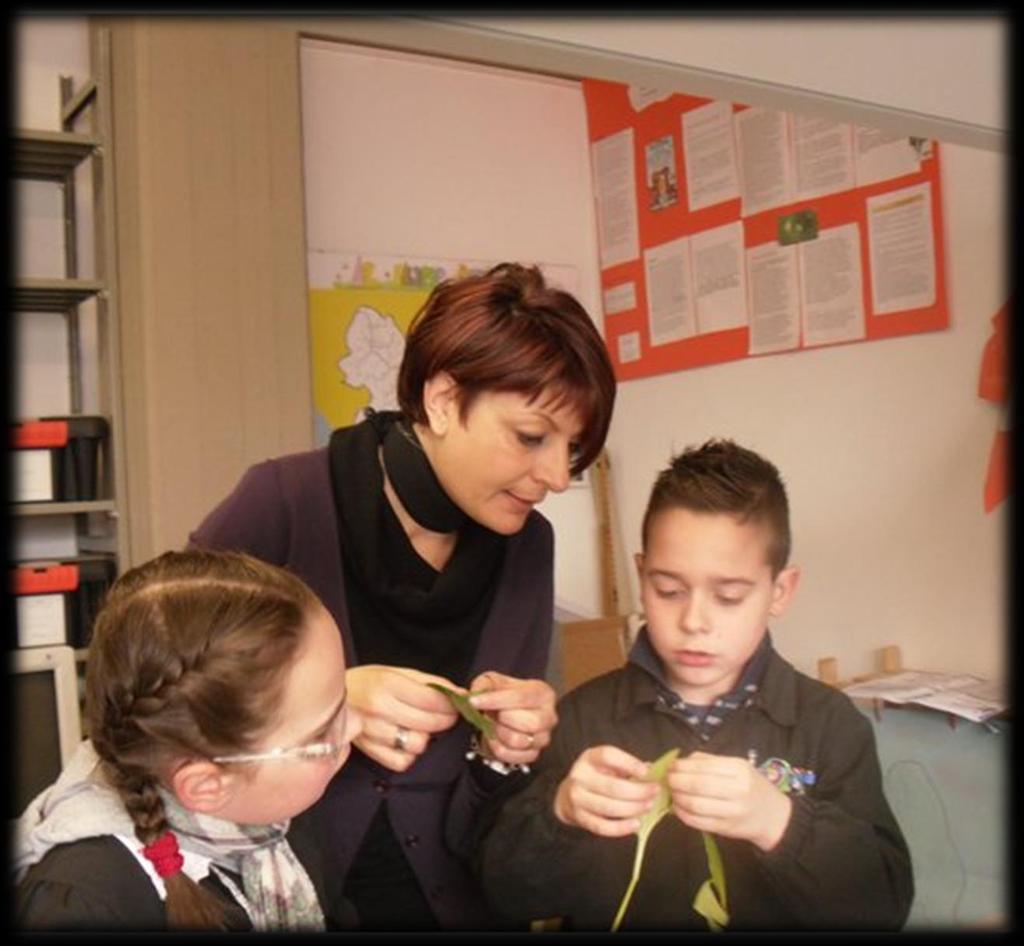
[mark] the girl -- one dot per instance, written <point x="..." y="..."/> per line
<point x="216" y="708"/>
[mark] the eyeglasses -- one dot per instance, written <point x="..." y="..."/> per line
<point x="323" y="749"/>
<point x="312" y="750"/>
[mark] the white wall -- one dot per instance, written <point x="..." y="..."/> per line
<point x="46" y="48"/>
<point x="884" y="447"/>
<point x="413" y="156"/>
<point x="884" y="444"/>
<point x="953" y="67"/>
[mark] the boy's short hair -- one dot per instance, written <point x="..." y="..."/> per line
<point x="722" y="477"/>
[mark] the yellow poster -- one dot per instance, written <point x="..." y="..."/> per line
<point x="358" y="336"/>
<point x="360" y="310"/>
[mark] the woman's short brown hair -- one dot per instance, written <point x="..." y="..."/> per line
<point x="507" y="330"/>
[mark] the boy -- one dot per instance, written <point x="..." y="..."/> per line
<point x="703" y="677"/>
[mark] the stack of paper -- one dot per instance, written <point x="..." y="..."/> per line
<point x="958" y="693"/>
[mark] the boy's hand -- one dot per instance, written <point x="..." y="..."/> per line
<point x="605" y="793"/>
<point x="727" y="796"/>
<point x="523" y="711"/>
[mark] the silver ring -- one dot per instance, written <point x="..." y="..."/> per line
<point x="401" y="739"/>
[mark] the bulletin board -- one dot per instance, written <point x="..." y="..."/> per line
<point x="727" y="231"/>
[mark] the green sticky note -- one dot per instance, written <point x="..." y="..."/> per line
<point x="798" y="227"/>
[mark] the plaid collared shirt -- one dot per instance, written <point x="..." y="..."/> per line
<point x="704" y="720"/>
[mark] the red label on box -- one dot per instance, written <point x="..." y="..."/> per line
<point x="34" y="434"/>
<point x="45" y="580"/>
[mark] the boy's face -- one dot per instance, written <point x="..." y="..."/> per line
<point x="707" y="591"/>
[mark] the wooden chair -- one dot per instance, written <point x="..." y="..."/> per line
<point x="590" y="648"/>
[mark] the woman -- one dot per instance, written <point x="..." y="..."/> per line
<point x="417" y="530"/>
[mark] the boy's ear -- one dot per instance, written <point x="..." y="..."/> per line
<point x="783" y="589"/>
<point x="203" y="786"/>
<point x="440" y="401"/>
<point x="638" y="559"/>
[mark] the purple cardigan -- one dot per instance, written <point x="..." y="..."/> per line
<point x="283" y="512"/>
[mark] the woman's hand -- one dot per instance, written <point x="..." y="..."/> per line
<point x="727" y="796"/>
<point x="400" y="712"/>
<point x="605" y="792"/>
<point x="524" y="713"/>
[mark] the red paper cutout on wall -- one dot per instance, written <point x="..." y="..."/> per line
<point x="997" y="480"/>
<point x="994" y="383"/>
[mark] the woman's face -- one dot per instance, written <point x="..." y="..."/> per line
<point x="507" y="455"/>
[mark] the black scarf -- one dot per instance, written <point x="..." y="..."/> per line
<point x="403" y="612"/>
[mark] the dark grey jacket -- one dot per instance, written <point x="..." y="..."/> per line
<point x="842" y="863"/>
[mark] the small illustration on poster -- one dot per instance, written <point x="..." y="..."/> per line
<point x="662" y="188"/>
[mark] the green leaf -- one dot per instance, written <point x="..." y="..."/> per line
<point x="715" y="866"/>
<point x="707" y="905"/>
<point x="656" y="772"/>
<point x="711" y="901"/>
<point x="467" y="710"/>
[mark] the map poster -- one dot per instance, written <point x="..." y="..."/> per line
<point x="360" y="309"/>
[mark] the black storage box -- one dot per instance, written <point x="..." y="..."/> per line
<point x="81" y="585"/>
<point x="95" y="576"/>
<point x="77" y="446"/>
<point x="78" y="466"/>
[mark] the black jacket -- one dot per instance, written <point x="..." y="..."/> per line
<point x="842" y="863"/>
<point x="97" y="884"/>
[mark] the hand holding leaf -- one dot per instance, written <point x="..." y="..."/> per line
<point x="750" y="805"/>
<point x="467" y="710"/>
<point x="658" y="772"/>
<point x="605" y="792"/>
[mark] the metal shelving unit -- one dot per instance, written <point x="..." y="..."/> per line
<point x="56" y="157"/>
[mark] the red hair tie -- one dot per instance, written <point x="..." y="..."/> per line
<point x="164" y="854"/>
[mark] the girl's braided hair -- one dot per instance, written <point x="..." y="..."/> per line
<point x="188" y="660"/>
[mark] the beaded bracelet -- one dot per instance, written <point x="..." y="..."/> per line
<point x="476" y="751"/>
